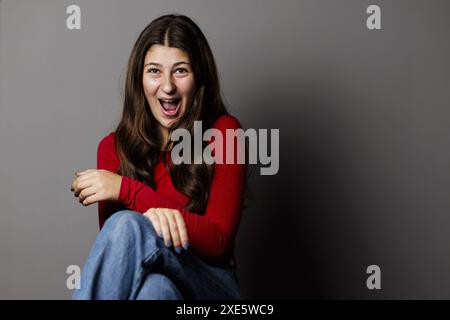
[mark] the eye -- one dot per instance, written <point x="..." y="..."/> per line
<point x="181" y="70"/>
<point x="152" y="70"/>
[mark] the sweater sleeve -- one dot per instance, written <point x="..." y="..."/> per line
<point x="212" y="234"/>
<point x="107" y="159"/>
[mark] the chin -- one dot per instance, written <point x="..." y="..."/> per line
<point x="167" y="123"/>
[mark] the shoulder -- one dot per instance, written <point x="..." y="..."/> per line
<point x="106" y="154"/>
<point x="107" y="142"/>
<point x="226" y="122"/>
<point x="223" y="124"/>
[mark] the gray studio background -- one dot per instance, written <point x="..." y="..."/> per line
<point x="364" y="125"/>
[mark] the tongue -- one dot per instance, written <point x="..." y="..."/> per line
<point x="169" y="105"/>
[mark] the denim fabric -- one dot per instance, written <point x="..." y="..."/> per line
<point x="130" y="261"/>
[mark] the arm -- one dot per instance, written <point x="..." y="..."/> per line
<point x="210" y="235"/>
<point x="107" y="159"/>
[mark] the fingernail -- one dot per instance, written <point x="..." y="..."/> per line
<point x="160" y="234"/>
<point x="169" y="243"/>
<point x="186" y="245"/>
<point x="178" y="250"/>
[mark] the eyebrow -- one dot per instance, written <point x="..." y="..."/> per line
<point x="160" y="65"/>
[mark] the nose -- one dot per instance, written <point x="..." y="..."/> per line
<point x="168" y="85"/>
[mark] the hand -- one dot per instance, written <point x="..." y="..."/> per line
<point x="169" y="223"/>
<point x="93" y="185"/>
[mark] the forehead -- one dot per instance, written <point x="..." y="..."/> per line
<point x="165" y="55"/>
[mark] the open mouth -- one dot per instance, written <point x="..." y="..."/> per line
<point x="170" y="107"/>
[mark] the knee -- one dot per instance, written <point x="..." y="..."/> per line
<point x="158" y="287"/>
<point x="122" y="219"/>
<point x="125" y="223"/>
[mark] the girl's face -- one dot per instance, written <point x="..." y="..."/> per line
<point x="169" y="84"/>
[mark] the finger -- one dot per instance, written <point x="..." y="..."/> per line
<point x="174" y="233"/>
<point x="85" y="193"/>
<point x="87" y="175"/>
<point x="164" y="227"/>
<point x="82" y="184"/>
<point x="182" y="229"/>
<point x="72" y="186"/>
<point x="78" y="173"/>
<point x="151" y="215"/>
<point x="91" y="200"/>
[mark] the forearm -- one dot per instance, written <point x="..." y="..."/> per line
<point x="211" y="235"/>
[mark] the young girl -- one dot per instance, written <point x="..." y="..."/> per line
<point x="167" y="230"/>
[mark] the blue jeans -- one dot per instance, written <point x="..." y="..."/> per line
<point x="130" y="261"/>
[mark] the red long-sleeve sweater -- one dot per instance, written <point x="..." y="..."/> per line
<point x="211" y="235"/>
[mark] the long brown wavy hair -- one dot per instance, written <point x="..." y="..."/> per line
<point x="136" y="137"/>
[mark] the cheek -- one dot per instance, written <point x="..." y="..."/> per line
<point x="150" y="87"/>
<point x="186" y="87"/>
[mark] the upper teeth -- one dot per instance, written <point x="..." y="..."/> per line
<point x="166" y="100"/>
